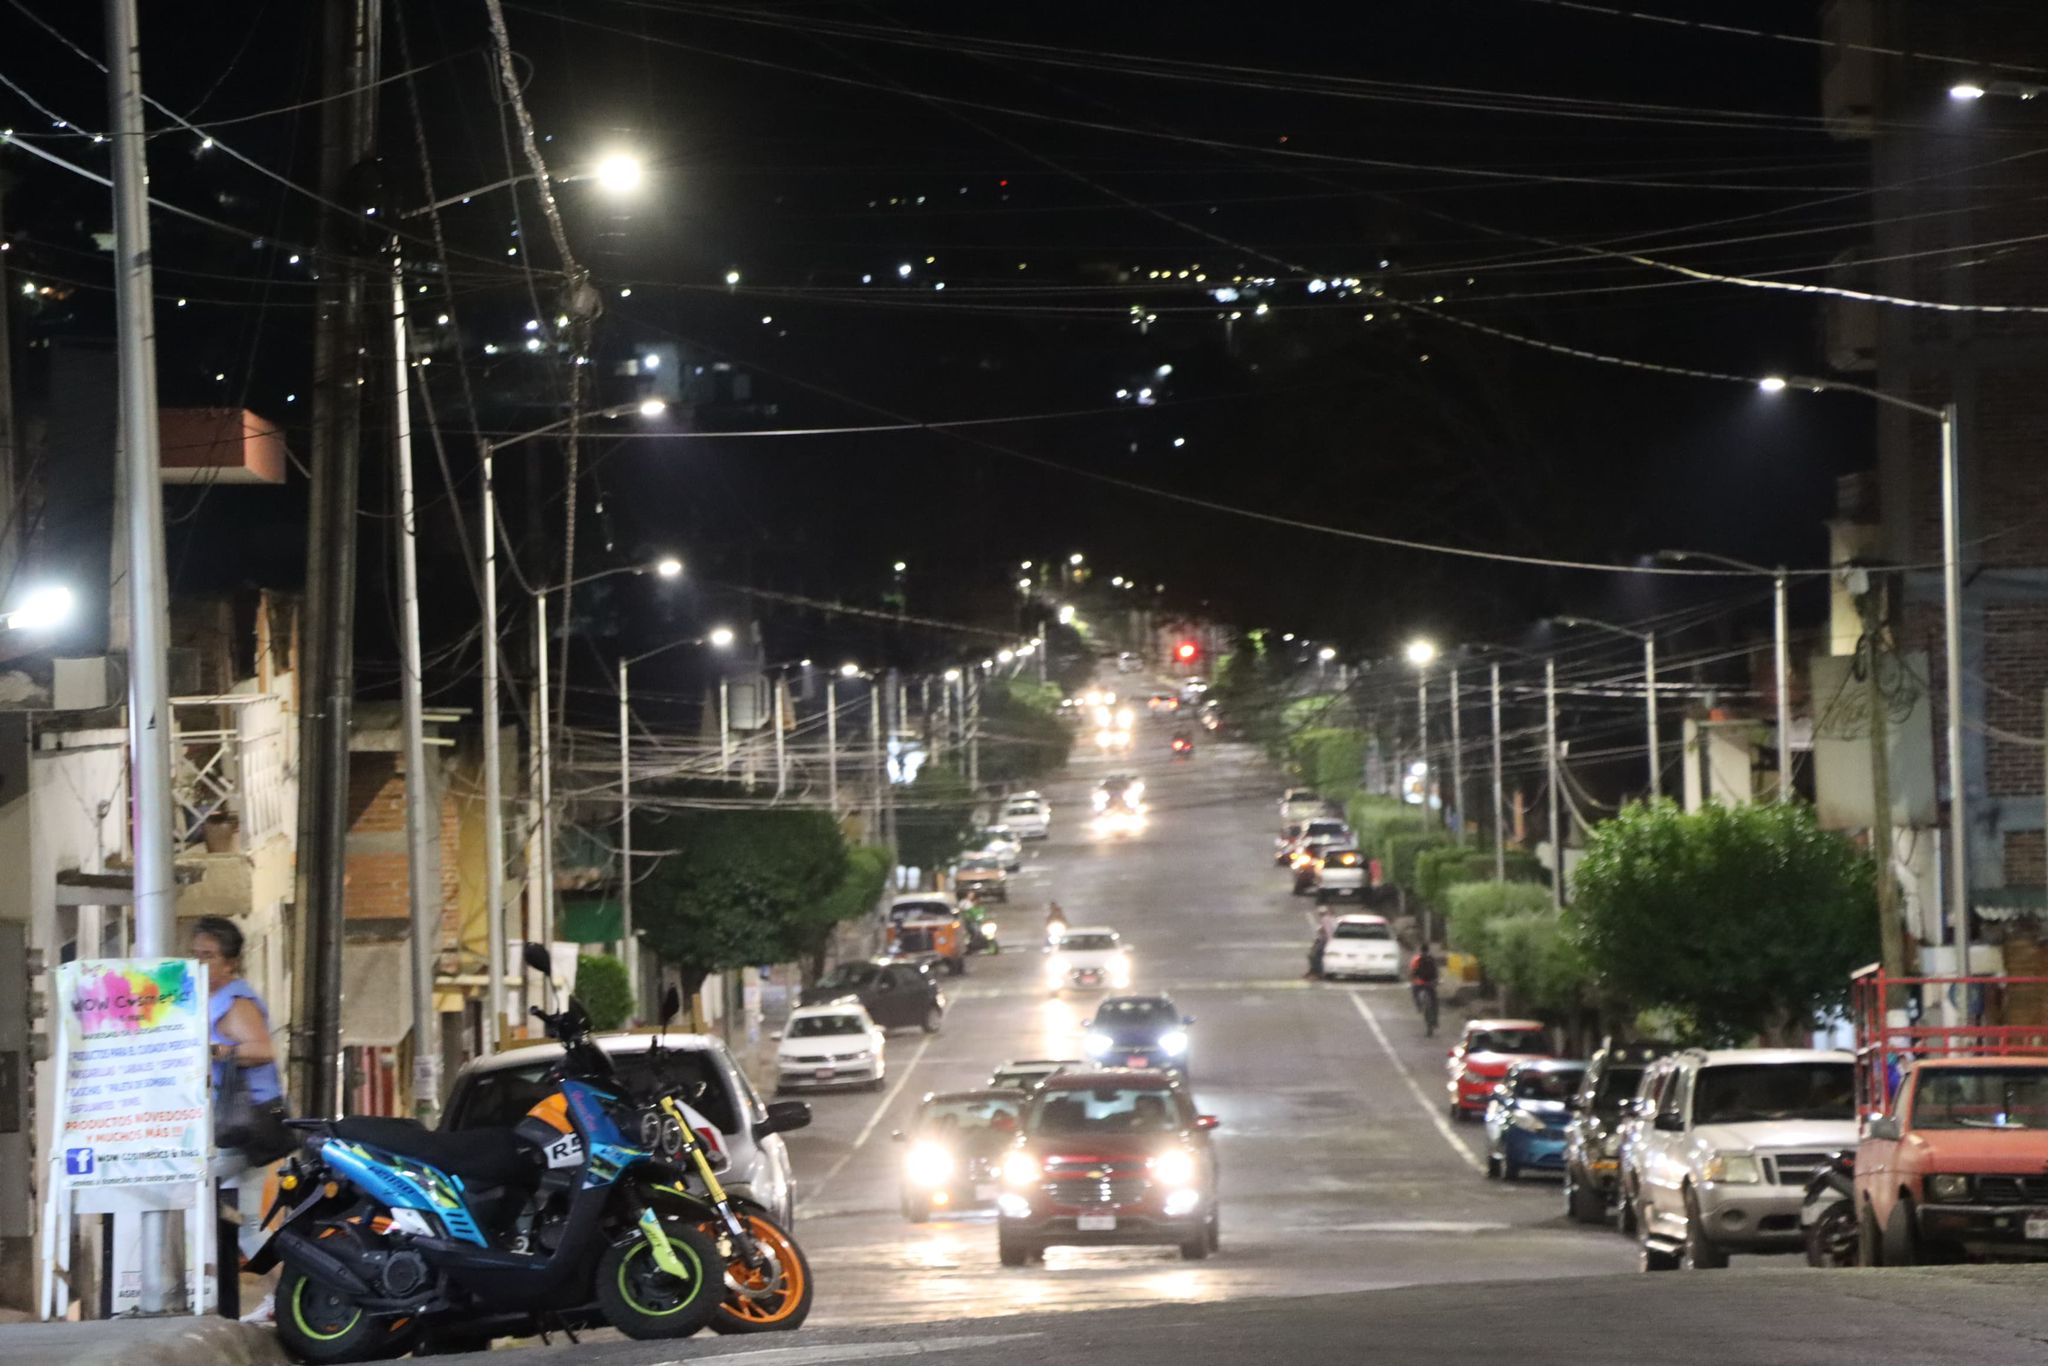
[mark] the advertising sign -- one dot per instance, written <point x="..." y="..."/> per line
<point x="133" y="1108"/>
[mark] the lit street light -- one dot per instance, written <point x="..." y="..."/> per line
<point x="619" y="173"/>
<point x="668" y="568"/>
<point x="41" y="609"/>
<point x="849" y="670"/>
<point x="1422" y="653"/>
<point x="1326" y="654"/>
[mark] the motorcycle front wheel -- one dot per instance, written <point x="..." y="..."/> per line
<point x="643" y="1301"/>
<point x="1831" y="1239"/>
<point x="774" y="1297"/>
<point x="320" y="1325"/>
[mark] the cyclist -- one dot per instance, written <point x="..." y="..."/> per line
<point x="1423" y="971"/>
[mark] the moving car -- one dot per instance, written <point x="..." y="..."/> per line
<point x="1339" y="871"/>
<point x="897" y="994"/>
<point x="1362" y="946"/>
<point x="1183" y="745"/>
<point x="1482" y="1057"/>
<point x="1592" y="1137"/>
<point x="923" y="923"/>
<point x="1301" y="804"/>
<point x="1021" y="1074"/>
<point x="1029" y="817"/>
<point x="955" y="1147"/>
<point x="1002" y="843"/>
<point x="1318" y="835"/>
<point x="495" y="1092"/>
<point x="1140" y="1032"/>
<point x="1525" y="1119"/>
<point x="1119" y="802"/>
<point x="1088" y="956"/>
<point x="1737" y="1134"/>
<point x="832" y="1045"/>
<point x="983" y="875"/>
<point x="1109" y="1156"/>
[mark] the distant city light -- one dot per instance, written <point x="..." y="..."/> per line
<point x="952" y="675"/>
<point x="903" y="271"/>
<point x="1966" y="90"/>
<point x="1180" y="441"/>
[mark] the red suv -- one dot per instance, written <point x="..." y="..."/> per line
<point x="1109" y="1156"/>
<point x="1482" y="1058"/>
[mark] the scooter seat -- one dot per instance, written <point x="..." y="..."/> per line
<point x="484" y="1157"/>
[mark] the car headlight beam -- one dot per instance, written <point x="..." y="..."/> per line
<point x="1097" y="1042"/>
<point x="1020" y="1169"/>
<point x="928" y="1164"/>
<point x="1174" y="1042"/>
<point x="1174" y="1167"/>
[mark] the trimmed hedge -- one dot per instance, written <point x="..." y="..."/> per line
<point x="606" y="991"/>
<point x="1438" y="870"/>
<point x="1470" y="906"/>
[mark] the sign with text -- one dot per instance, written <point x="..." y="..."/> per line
<point x="134" y="1107"/>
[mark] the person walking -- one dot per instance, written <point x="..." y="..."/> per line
<point x="1326" y="925"/>
<point x="248" y="1102"/>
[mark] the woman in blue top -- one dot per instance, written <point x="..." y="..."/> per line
<point x="240" y="1034"/>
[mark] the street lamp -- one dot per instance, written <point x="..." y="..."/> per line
<point x="849" y="670"/>
<point x="1649" y="641"/>
<point x="619" y="172"/>
<point x="1422" y="653"/>
<point x="40" y="610"/>
<point x="1952" y="606"/>
<point x="1780" y="651"/>
<point x="616" y="173"/>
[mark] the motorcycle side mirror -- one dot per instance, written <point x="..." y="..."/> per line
<point x="784" y="1116"/>
<point x="1886" y="1126"/>
<point x="538" y="959"/>
<point x="671" y="1004"/>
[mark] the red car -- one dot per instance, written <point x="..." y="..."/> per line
<point x="1483" y="1057"/>
<point x="1109" y="1156"/>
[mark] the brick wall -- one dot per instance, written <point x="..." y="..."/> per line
<point x="2026" y="858"/>
<point x="2016" y="666"/>
<point x="379" y="869"/>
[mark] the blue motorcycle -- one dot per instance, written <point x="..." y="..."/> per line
<point x="394" y="1236"/>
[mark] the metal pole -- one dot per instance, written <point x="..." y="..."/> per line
<point x="781" y="749"/>
<point x="1422" y="738"/>
<point x="149" y="696"/>
<point x="494" y="776"/>
<point x="1550" y="767"/>
<point x="724" y="726"/>
<point x="832" y="745"/>
<point x="630" y="944"/>
<point x="547" y="772"/>
<point x="1457" y="758"/>
<point x="974" y="731"/>
<point x="875" y="772"/>
<point x="1782" y="661"/>
<point x="1500" y="831"/>
<point x="422" y="825"/>
<point x="1650" y="712"/>
<point x="1958" y="784"/>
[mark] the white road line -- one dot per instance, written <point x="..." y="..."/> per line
<point x="867" y="1130"/>
<point x="1429" y="1107"/>
<point x="852" y="1351"/>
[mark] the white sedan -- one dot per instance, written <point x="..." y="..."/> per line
<point x="1089" y="957"/>
<point x="1003" y="843"/>
<point x="830" y="1045"/>
<point x="1028" y="816"/>
<point x="1362" y="946"/>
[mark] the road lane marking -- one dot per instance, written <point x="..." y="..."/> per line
<point x="852" y="1351"/>
<point x="1429" y="1107"/>
<point x="867" y="1130"/>
<point x="1417" y="1226"/>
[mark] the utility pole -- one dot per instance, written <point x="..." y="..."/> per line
<point x="631" y="944"/>
<point x="724" y="724"/>
<point x="544" y="743"/>
<point x="1457" y="759"/>
<point x="974" y="732"/>
<point x="1550" y="767"/>
<point x="876" y="774"/>
<point x="1891" y="938"/>
<point x="149" y="697"/>
<point x="494" y="775"/>
<point x="1781" y="659"/>
<point x="351" y="38"/>
<point x="1958" y="771"/>
<point x="832" y="745"/>
<point x="1500" y="833"/>
<point x="781" y="745"/>
<point x="1422" y="737"/>
<point x="1650" y="713"/>
<point x="422" y="824"/>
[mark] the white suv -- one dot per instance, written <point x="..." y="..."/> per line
<point x="1723" y="1164"/>
<point x="1028" y="816"/>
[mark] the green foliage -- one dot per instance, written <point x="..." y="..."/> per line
<point x="1022" y="737"/>
<point x="1745" y="919"/>
<point x="1438" y="870"/>
<point x="1532" y="956"/>
<point x="606" y="991"/>
<point x="732" y="883"/>
<point x="1401" y="852"/>
<point x="1331" y="759"/>
<point x="808" y="934"/>
<point x="1470" y="907"/>
<point x="934" y="816"/>
<point x="1376" y="817"/>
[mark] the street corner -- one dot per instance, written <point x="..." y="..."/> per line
<point x="184" y="1341"/>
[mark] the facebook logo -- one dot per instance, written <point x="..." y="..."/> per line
<point x="78" y="1162"/>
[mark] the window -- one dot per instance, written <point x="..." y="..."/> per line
<point x="1327" y="829"/>
<point x="1347" y="929"/>
<point x="1112" y="1014"/>
<point x="1088" y="943"/>
<point x="1742" y="1093"/>
<point x="1105" y="1110"/>
<point x="1982" y="1098"/>
<point x="1556" y="1084"/>
<point x="955" y="1113"/>
<point x="1507" y="1041"/>
<point x="1614" y="1086"/>
<point x="1671" y="1105"/>
<point x="848" y="977"/>
<point x="822" y="1026"/>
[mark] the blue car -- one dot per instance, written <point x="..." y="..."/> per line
<point x="1525" y="1117"/>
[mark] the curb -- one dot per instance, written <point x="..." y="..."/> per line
<point x="185" y="1341"/>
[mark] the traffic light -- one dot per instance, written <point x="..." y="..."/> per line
<point x="1185" y="652"/>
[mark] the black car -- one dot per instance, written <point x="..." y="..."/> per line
<point x="898" y="993"/>
<point x="952" y="1159"/>
<point x="1138" y="1031"/>
<point x="1591" y="1143"/>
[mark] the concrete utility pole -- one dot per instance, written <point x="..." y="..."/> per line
<point x="1457" y="759"/>
<point x="877" y="774"/>
<point x="832" y="745"/>
<point x="351" y="39"/>
<point x="1958" y="771"/>
<point x="781" y="743"/>
<point x="149" y="695"/>
<point x="1891" y="937"/>
<point x="1500" y="834"/>
<point x="628" y="941"/>
<point x="974" y="732"/>
<point x="422" y="824"/>
<point x="497" y="949"/>
<point x="1550" y="767"/>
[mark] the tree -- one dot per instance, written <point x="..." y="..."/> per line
<point x="934" y="817"/>
<point x="1022" y="736"/>
<point x="1746" y="920"/>
<point x="732" y="884"/>
<point x="811" y="927"/>
<point x="604" y="988"/>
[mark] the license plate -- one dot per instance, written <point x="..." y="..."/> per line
<point x="824" y="1074"/>
<point x="1138" y="1060"/>
<point x="985" y="1190"/>
<point x="2037" y="1227"/>
<point x="1095" y="1223"/>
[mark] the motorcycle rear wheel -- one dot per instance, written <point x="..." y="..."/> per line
<point x="761" y="1300"/>
<point x="644" y="1302"/>
<point x="319" y="1325"/>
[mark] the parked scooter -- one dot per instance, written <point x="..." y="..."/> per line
<point x="1827" y="1217"/>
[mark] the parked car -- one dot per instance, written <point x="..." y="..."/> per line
<point x="1088" y="957"/>
<point x="1526" y="1116"/>
<point x="1630" y="1129"/>
<point x="1300" y="804"/>
<point x="1003" y="844"/>
<point x="1592" y="1137"/>
<point x="1737" y="1135"/>
<point x="1362" y="946"/>
<point x="1479" y="1060"/>
<point x="983" y="876"/>
<point x="1339" y="871"/>
<point x="1029" y="816"/>
<point x="1021" y="1074"/>
<point x="954" y="1151"/>
<point x="830" y="1045"/>
<point x="1959" y="1166"/>
<point x="1323" y="833"/>
<point x="896" y="993"/>
<point x="495" y="1092"/>
<point x="1109" y="1156"/>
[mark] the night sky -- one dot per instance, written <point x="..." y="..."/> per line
<point x="1040" y="163"/>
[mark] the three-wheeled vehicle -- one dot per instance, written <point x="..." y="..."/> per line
<point x="927" y="923"/>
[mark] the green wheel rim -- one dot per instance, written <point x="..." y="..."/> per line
<point x="299" y="1316"/>
<point x="686" y="1254"/>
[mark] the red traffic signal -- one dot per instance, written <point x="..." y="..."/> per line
<point x="1184" y="651"/>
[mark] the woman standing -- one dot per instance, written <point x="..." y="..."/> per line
<point x="243" y="1053"/>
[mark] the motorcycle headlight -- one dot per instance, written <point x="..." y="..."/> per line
<point x="1098" y="1043"/>
<point x="1174" y="1167"/>
<point x="1610" y="1144"/>
<point x="1948" y="1187"/>
<point x="1733" y="1168"/>
<point x="1174" y="1042"/>
<point x="1020" y="1169"/>
<point x="1527" y="1122"/>
<point x="928" y="1164"/>
<point x="989" y="927"/>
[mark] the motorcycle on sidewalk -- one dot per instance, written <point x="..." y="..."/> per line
<point x="1827" y="1216"/>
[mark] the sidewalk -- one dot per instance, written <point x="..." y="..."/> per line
<point x="204" y="1341"/>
